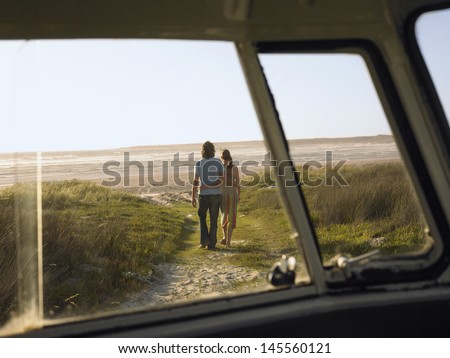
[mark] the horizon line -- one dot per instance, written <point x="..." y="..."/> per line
<point x="193" y="144"/>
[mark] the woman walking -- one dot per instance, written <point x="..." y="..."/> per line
<point x="231" y="192"/>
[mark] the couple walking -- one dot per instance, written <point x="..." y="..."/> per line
<point x="219" y="186"/>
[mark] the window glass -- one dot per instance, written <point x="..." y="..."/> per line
<point x="114" y="129"/>
<point x="357" y="191"/>
<point x="433" y="31"/>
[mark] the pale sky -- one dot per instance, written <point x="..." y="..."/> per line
<point x="433" y="34"/>
<point x="98" y="94"/>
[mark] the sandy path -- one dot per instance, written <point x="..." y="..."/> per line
<point x="209" y="273"/>
<point x="179" y="283"/>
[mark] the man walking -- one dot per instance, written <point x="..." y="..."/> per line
<point x="208" y="172"/>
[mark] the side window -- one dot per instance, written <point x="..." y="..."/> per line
<point x="432" y="32"/>
<point x="100" y="141"/>
<point x="357" y="191"/>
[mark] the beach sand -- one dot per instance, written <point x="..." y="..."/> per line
<point x="169" y="168"/>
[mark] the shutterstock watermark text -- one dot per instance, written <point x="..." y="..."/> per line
<point x="179" y="172"/>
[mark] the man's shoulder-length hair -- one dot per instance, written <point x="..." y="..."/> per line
<point x="208" y="150"/>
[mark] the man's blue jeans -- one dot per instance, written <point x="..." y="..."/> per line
<point x="209" y="203"/>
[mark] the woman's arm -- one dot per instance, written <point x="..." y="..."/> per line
<point x="237" y="181"/>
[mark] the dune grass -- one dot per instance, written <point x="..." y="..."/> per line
<point x="8" y="267"/>
<point x="101" y="243"/>
<point x="378" y="202"/>
<point x="97" y="244"/>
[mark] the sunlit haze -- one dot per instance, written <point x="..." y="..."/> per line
<point x="99" y="94"/>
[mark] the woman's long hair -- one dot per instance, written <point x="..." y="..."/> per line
<point x="229" y="172"/>
<point x="227" y="156"/>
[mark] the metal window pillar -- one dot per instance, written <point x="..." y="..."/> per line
<point x="273" y="133"/>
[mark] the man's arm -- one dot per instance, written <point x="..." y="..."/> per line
<point x="194" y="190"/>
